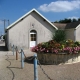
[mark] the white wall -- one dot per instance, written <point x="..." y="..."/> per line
<point x="78" y="33"/>
<point x="70" y="34"/>
<point x="19" y="33"/>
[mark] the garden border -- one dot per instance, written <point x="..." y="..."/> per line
<point x="64" y="58"/>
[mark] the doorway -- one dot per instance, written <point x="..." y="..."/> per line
<point x="33" y="35"/>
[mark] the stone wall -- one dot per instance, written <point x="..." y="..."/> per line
<point x="58" y="58"/>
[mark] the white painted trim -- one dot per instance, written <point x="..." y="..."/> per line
<point x="32" y="32"/>
<point x="77" y="26"/>
<point x="75" y="35"/>
<point x="27" y="15"/>
<point x="32" y="43"/>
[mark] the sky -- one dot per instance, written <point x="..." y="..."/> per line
<point x="53" y="10"/>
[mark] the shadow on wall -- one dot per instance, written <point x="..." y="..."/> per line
<point x="3" y="47"/>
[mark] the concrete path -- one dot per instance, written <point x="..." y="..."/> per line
<point x="10" y="69"/>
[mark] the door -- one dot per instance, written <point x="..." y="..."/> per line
<point x="33" y="38"/>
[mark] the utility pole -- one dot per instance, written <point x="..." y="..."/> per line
<point x="8" y="22"/>
<point x="0" y="34"/>
<point x="4" y="24"/>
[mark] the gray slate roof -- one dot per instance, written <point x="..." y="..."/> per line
<point x="60" y="25"/>
<point x="67" y="25"/>
<point x="72" y="25"/>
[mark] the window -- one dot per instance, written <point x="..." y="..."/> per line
<point x="33" y="35"/>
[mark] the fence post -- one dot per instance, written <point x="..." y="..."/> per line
<point x="13" y="49"/>
<point x="35" y="67"/>
<point x="22" y="59"/>
<point x="16" y="53"/>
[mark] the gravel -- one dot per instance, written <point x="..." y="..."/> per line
<point x="10" y="69"/>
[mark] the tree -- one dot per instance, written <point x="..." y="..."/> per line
<point x="60" y="35"/>
<point x="74" y="20"/>
<point x="67" y="20"/>
<point x="78" y="19"/>
<point x="56" y="22"/>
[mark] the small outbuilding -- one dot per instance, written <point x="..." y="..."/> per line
<point x="72" y="30"/>
<point x="29" y="30"/>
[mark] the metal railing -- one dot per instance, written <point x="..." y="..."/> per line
<point x="34" y="58"/>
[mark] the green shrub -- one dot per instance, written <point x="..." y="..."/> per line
<point x="59" y="36"/>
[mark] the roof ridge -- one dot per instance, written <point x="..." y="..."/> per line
<point x="28" y="14"/>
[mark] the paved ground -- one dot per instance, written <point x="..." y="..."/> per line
<point x="10" y="69"/>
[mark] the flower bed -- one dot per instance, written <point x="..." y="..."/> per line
<point x="52" y="52"/>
